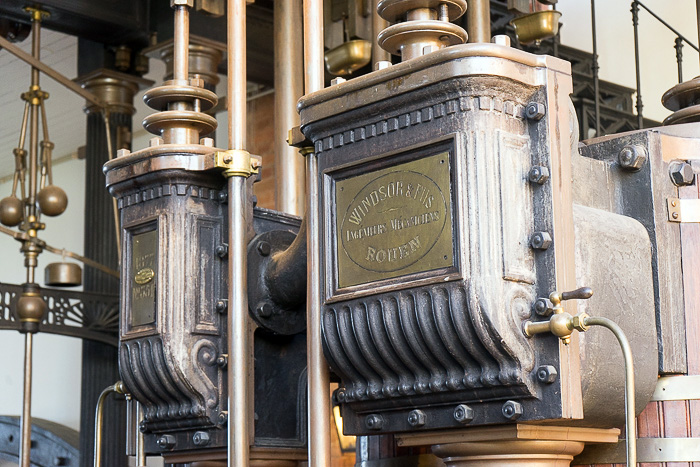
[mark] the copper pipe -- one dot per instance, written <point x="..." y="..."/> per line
<point x="26" y="421"/>
<point x="239" y="401"/>
<point x="479" y="20"/>
<point x="290" y="184"/>
<point x="117" y="387"/>
<point x="378" y="25"/>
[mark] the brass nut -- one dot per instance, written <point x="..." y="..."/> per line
<point x="579" y="322"/>
<point x="416" y="418"/>
<point x="681" y="173"/>
<point x="546" y="374"/>
<point x="538" y="174"/>
<point x="632" y="157"/>
<point x="463" y="414"/>
<point x="512" y="410"/>
<point x="374" y="422"/>
<point x="540" y="240"/>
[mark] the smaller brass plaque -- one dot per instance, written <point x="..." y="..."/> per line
<point x="394" y="222"/>
<point x="143" y="287"/>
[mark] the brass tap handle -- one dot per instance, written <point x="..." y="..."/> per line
<point x="582" y="293"/>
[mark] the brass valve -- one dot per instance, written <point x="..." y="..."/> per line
<point x="561" y="324"/>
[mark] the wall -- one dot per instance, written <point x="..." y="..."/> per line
<point x="616" y="44"/>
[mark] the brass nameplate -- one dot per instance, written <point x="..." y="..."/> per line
<point x="395" y="221"/>
<point x="143" y="286"/>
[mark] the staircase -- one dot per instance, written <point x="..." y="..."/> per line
<point x="616" y="103"/>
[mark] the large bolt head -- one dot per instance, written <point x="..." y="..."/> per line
<point x="681" y="173"/>
<point x="540" y="240"/>
<point x="538" y="174"/>
<point x="547" y="374"/>
<point x="374" y="422"/>
<point x="535" y="111"/>
<point x="416" y="418"/>
<point x="11" y="211"/>
<point x="543" y="306"/>
<point x="52" y="200"/>
<point x="201" y="438"/>
<point x="632" y="157"/>
<point x="512" y="410"/>
<point x="463" y="414"/>
<point x="166" y="441"/>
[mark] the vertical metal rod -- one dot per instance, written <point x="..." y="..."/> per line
<point x="635" y="25"/>
<point x="378" y="25"/>
<point x="678" y="45"/>
<point x="630" y="406"/>
<point x="479" y="20"/>
<point x="238" y="336"/>
<point x="697" y="12"/>
<point x="596" y="80"/>
<point x="26" y="421"/>
<point x="290" y="183"/>
<point x="34" y="119"/>
<point x="181" y="43"/>
<point x="319" y="404"/>
<point x="115" y="208"/>
<point x="238" y="429"/>
<point x="140" y="448"/>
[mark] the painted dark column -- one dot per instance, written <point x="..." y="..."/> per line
<point x="100" y="362"/>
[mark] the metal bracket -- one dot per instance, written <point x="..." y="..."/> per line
<point x="683" y="210"/>
<point x="237" y="163"/>
<point x="677" y="388"/>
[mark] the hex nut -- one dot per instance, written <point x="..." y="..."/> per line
<point x="681" y="173"/>
<point x="222" y="361"/>
<point x="632" y="157"/>
<point x="166" y="441"/>
<point x="416" y="418"/>
<point x="540" y="240"/>
<point x="222" y="251"/>
<point x="201" y="438"/>
<point x="463" y="414"/>
<point x="579" y="322"/>
<point x="221" y="305"/>
<point x="264" y="248"/>
<point x="547" y="374"/>
<point x="374" y="422"/>
<point x="223" y="418"/>
<point x="543" y="306"/>
<point x="512" y="410"/>
<point x="535" y="111"/>
<point x="538" y="174"/>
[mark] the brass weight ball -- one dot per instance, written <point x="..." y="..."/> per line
<point x="11" y="211"/>
<point x="31" y="308"/>
<point x="52" y="200"/>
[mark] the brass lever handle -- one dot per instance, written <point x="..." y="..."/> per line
<point x="582" y="293"/>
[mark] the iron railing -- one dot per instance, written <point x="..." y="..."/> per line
<point x="678" y="46"/>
